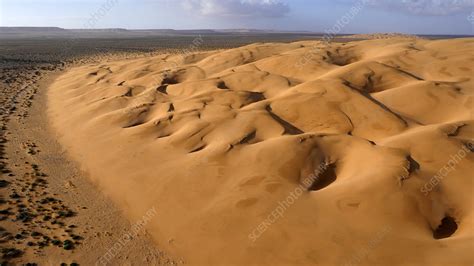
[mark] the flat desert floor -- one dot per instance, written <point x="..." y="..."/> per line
<point x="305" y="153"/>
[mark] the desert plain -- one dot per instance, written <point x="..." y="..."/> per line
<point x="358" y="152"/>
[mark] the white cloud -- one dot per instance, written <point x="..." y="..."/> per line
<point x="238" y="8"/>
<point x="426" y="7"/>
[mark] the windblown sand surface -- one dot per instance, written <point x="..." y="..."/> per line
<point x="50" y="213"/>
<point x="281" y="154"/>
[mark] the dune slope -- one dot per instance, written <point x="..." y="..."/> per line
<point x="286" y="154"/>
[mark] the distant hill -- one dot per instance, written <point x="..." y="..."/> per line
<point x="31" y="29"/>
<point x="260" y="31"/>
<point x="98" y="30"/>
<point x="57" y="30"/>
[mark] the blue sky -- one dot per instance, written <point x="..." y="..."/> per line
<point x="406" y="16"/>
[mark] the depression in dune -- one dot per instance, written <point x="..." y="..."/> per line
<point x="285" y="154"/>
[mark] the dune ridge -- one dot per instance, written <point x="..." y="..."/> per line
<point x="216" y="141"/>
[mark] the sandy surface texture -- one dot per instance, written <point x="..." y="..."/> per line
<point x="306" y="153"/>
<point x="50" y="211"/>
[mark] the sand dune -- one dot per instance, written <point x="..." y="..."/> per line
<point x="286" y="154"/>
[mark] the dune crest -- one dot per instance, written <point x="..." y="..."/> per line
<point x="217" y="141"/>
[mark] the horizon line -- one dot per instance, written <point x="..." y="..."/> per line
<point x="237" y="29"/>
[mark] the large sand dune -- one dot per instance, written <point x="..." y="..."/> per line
<point x="285" y="154"/>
